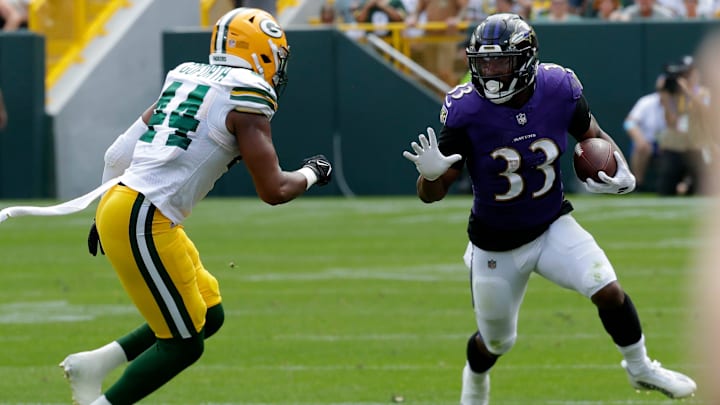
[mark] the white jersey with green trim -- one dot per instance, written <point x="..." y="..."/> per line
<point x="187" y="146"/>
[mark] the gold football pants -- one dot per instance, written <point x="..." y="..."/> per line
<point x="158" y="265"/>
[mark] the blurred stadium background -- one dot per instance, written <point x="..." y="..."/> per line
<point x="85" y="69"/>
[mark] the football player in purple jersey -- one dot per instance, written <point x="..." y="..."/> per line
<point x="509" y="126"/>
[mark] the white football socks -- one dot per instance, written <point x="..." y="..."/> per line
<point x="101" y="401"/>
<point x="109" y="356"/>
<point x="475" y="387"/>
<point x="635" y="355"/>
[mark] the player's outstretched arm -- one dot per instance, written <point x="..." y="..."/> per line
<point x="436" y="176"/>
<point x="317" y="170"/>
<point x="272" y="184"/>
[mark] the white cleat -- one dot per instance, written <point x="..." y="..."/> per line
<point x="475" y="388"/>
<point x="84" y="376"/>
<point x="657" y="378"/>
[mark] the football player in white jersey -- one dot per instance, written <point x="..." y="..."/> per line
<point x="207" y="117"/>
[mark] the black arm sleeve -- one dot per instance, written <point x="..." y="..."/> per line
<point x="580" y="121"/>
<point x="454" y="140"/>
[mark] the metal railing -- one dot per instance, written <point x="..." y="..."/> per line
<point x="68" y="26"/>
<point x="207" y="8"/>
<point x="408" y="64"/>
<point x="400" y="39"/>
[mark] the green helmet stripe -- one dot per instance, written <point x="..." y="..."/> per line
<point x="222" y="29"/>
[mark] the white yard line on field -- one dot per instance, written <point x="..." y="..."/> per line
<point x="27" y="312"/>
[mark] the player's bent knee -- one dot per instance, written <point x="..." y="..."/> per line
<point x="610" y="296"/>
<point x="500" y="347"/>
<point x="184" y="351"/>
<point x="214" y="319"/>
<point x="479" y="358"/>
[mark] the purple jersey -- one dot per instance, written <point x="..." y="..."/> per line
<point x="513" y="155"/>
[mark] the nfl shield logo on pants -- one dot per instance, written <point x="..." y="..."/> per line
<point x="492" y="264"/>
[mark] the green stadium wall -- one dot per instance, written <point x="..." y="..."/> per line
<point x="26" y="144"/>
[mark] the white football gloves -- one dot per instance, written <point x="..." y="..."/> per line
<point x="622" y="183"/>
<point x="430" y="163"/>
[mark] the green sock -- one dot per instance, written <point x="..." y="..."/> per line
<point x="154" y="367"/>
<point x="137" y="341"/>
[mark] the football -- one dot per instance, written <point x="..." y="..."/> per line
<point x="594" y="155"/>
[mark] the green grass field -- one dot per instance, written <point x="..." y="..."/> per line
<point x="350" y="301"/>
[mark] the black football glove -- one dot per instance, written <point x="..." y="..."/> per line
<point x="94" y="241"/>
<point x="322" y="168"/>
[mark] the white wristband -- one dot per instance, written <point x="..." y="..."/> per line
<point x="310" y="176"/>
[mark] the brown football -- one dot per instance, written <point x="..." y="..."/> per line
<point x="594" y="155"/>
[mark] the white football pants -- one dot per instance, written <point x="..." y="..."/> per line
<point x="565" y="254"/>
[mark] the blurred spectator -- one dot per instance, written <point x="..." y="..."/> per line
<point x="327" y="13"/>
<point x="559" y="12"/>
<point x="448" y="11"/>
<point x="523" y="8"/>
<point x="439" y="57"/>
<point x="540" y="7"/>
<point x="3" y="113"/>
<point x="14" y="14"/>
<point x="268" y="5"/>
<point x="345" y="12"/>
<point x="690" y="9"/>
<point x="422" y="18"/>
<point x="477" y="10"/>
<point x="676" y="6"/>
<point x="345" y="9"/>
<point x="643" y="124"/>
<point x="711" y="8"/>
<point x="607" y="10"/>
<point x="646" y="9"/>
<point x="381" y="12"/>
<point x="680" y="160"/>
<point x="581" y="7"/>
<point x="706" y="149"/>
<point x="700" y="9"/>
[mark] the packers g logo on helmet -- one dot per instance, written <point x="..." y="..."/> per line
<point x="250" y="38"/>
<point x="271" y="28"/>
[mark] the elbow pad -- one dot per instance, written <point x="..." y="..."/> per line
<point x="119" y="155"/>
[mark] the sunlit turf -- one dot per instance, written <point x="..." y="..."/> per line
<point x="340" y="301"/>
